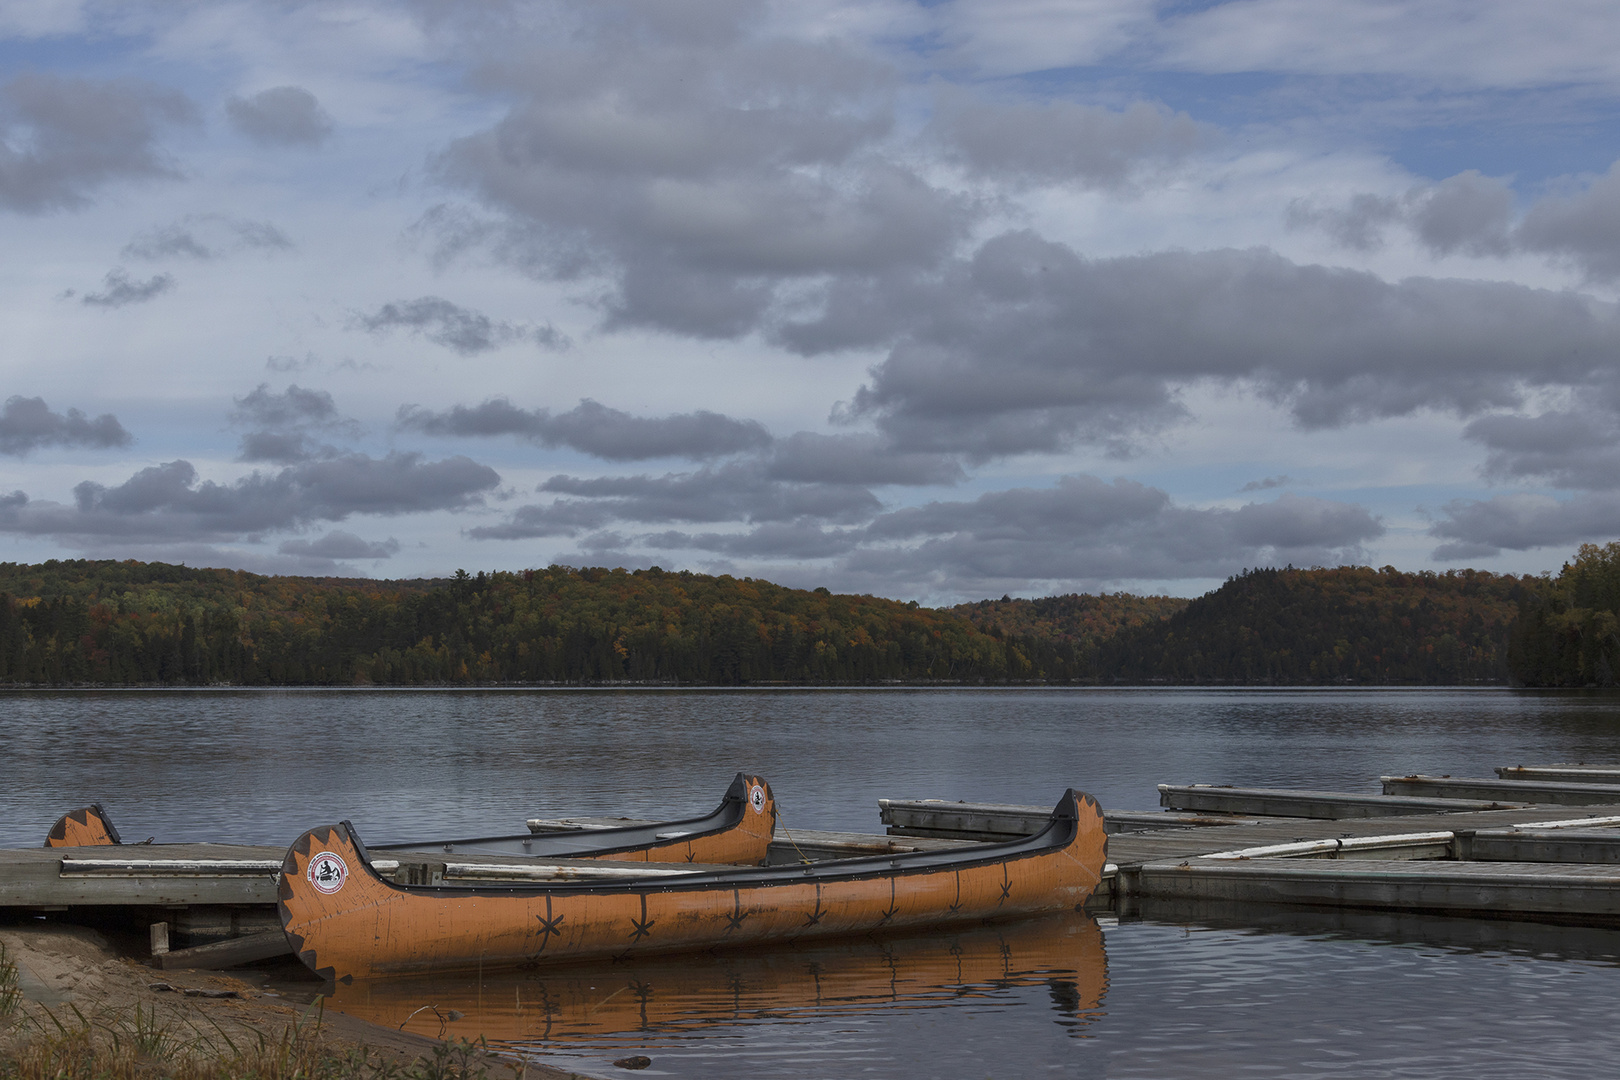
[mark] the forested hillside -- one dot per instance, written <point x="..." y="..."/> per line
<point x="73" y="622"/>
<point x="1352" y="624"/>
<point x="1569" y="633"/>
<point x="81" y="622"/>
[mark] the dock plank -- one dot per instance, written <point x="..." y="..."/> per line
<point x="1546" y="792"/>
<point x="1581" y="893"/>
<point x="1327" y="805"/>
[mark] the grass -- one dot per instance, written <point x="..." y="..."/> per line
<point x="10" y="992"/>
<point x="140" y="1045"/>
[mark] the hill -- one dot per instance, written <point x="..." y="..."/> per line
<point x="81" y="622"/>
<point x="126" y="623"/>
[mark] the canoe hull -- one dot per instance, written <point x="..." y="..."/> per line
<point x="88" y="827"/>
<point x="344" y="921"/>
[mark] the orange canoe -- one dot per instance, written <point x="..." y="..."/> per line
<point x="345" y="921"/>
<point x="737" y="833"/>
<point x="89" y="827"/>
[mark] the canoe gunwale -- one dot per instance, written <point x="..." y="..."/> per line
<point x="605" y="842"/>
<point x="1060" y="831"/>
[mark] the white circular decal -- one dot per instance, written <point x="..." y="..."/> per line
<point x="327" y="872"/>
<point x="756" y="799"/>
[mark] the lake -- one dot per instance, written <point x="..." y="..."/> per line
<point x="1178" y="993"/>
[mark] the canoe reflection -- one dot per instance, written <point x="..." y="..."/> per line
<point x="687" y="994"/>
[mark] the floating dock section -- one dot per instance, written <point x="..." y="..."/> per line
<point x="1535" y="843"/>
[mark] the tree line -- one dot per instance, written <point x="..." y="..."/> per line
<point x="87" y="623"/>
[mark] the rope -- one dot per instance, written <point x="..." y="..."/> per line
<point x="803" y="858"/>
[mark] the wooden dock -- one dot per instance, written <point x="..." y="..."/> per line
<point x="1538" y="843"/>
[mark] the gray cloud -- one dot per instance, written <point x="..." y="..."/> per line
<point x="595" y="429"/>
<point x="1027" y="346"/>
<point x="1474" y="215"/>
<point x="1583" y="228"/>
<point x="169" y="503"/>
<point x="62" y="138"/>
<point x="466" y="331"/>
<point x="702" y="174"/>
<point x="280" y="116"/>
<point x="1576" y="448"/>
<point x="1061" y="141"/>
<point x="206" y="236"/>
<point x="1359" y="225"/>
<point x="28" y="424"/>
<point x="858" y="459"/>
<point x="1478" y="528"/>
<point x="733" y="491"/>
<point x="1084" y="529"/>
<point x="1468" y="213"/>
<point x="119" y="290"/>
<point x="338" y="544"/>
<point x="282" y="426"/>
<point x="1267" y="483"/>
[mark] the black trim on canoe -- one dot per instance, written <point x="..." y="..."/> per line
<point x="59" y="830"/>
<point x="1059" y="832"/>
<point x="591" y="841"/>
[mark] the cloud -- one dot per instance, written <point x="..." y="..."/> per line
<point x="280" y="116"/>
<point x="62" y="138"/>
<point x="1474" y="215"/>
<point x="1061" y="141"/>
<point x="595" y="429"/>
<point x="732" y="491"/>
<point x="1583" y="227"/>
<point x="1267" y="483"/>
<point x="703" y="174"/>
<point x="1464" y="43"/>
<point x="282" y="425"/>
<point x="338" y="544"/>
<point x="206" y="236"/>
<point x="858" y="459"/>
<point x="1467" y="213"/>
<point x="119" y="290"/>
<point x="1575" y="448"/>
<point x="170" y="503"/>
<point x="1519" y="521"/>
<point x="466" y="331"/>
<point x="1026" y="346"/>
<point x="1085" y="529"/>
<point x="28" y="424"/>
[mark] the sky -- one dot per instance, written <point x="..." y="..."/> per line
<point x="929" y="300"/>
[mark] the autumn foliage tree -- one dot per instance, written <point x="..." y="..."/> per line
<point x="1569" y="633"/>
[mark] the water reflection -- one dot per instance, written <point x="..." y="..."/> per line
<point x="1546" y="941"/>
<point x="662" y="1001"/>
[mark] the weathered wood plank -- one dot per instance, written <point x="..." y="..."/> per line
<point x="1544" y="792"/>
<point x="1327" y="805"/>
<point x="1540" y="846"/>
<point x="943" y="819"/>
<point x="1578" y="774"/>
<point x="1587" y="894"/>
<point x="231" y="952"/>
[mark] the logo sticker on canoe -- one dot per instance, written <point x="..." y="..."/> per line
<point x="327" y="872"/>
<point x="756" y="799"/>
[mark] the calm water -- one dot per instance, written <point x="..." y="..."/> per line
<point x="1180" y="993"/>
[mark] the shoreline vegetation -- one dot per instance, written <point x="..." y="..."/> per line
<point x="97" y="1013"/>
<point x="86" y="623"/>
